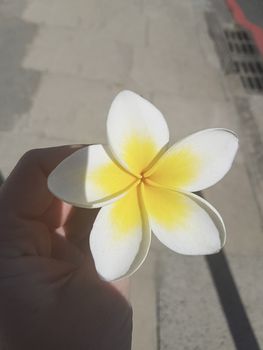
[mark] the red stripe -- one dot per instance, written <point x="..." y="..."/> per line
<point x="240" y="17"/>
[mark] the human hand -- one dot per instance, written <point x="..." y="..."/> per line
<point x="50" y="294"/>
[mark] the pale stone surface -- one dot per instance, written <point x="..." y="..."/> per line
<point x="185" y="118"/>
<point x="71" y="108"/>
<point x="143" y="298"/>
<point x="160" y="71"/>
<point x="16" y="83"/>
<point x="61" y="13"/>
<point x="257" y="108"/>
<point x="80" y="52"/>
<point x="247" y="269"/>
<point x="190" y="313"/>
<point x="244" y="247"/>
<point x="244" y="231"/>
<point x="66" y="13"/>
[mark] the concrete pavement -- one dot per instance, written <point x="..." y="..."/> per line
<point x="69" y="59"/>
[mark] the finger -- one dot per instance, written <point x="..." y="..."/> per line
<point x="56" y="215"/>
<point x="77" y="228"/>
<point x="25" y="191"/>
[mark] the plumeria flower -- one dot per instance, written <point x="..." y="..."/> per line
<point x="144" y="185"/>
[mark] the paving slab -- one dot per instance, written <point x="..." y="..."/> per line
<point x="185" y="118"/>
<point x="80" y="53"/>
<point x="71" y="108"/>
<point x="65" y="13"/>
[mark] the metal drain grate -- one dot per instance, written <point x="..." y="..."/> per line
<point x="246" y="60"/>
<point x="238" y="54"/>
<point x="240" y="42"/>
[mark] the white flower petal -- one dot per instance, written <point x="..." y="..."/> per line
<point x="184" y="223"/>
<point x="120" y="237"/>
<point x="137" y="131"/>
<point x="89" y="178"/>
<point x="197" y="162"/>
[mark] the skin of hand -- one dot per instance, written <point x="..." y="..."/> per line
<point x="50" y="294"/>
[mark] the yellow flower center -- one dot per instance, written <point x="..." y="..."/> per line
<point x="144" y="178"/>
